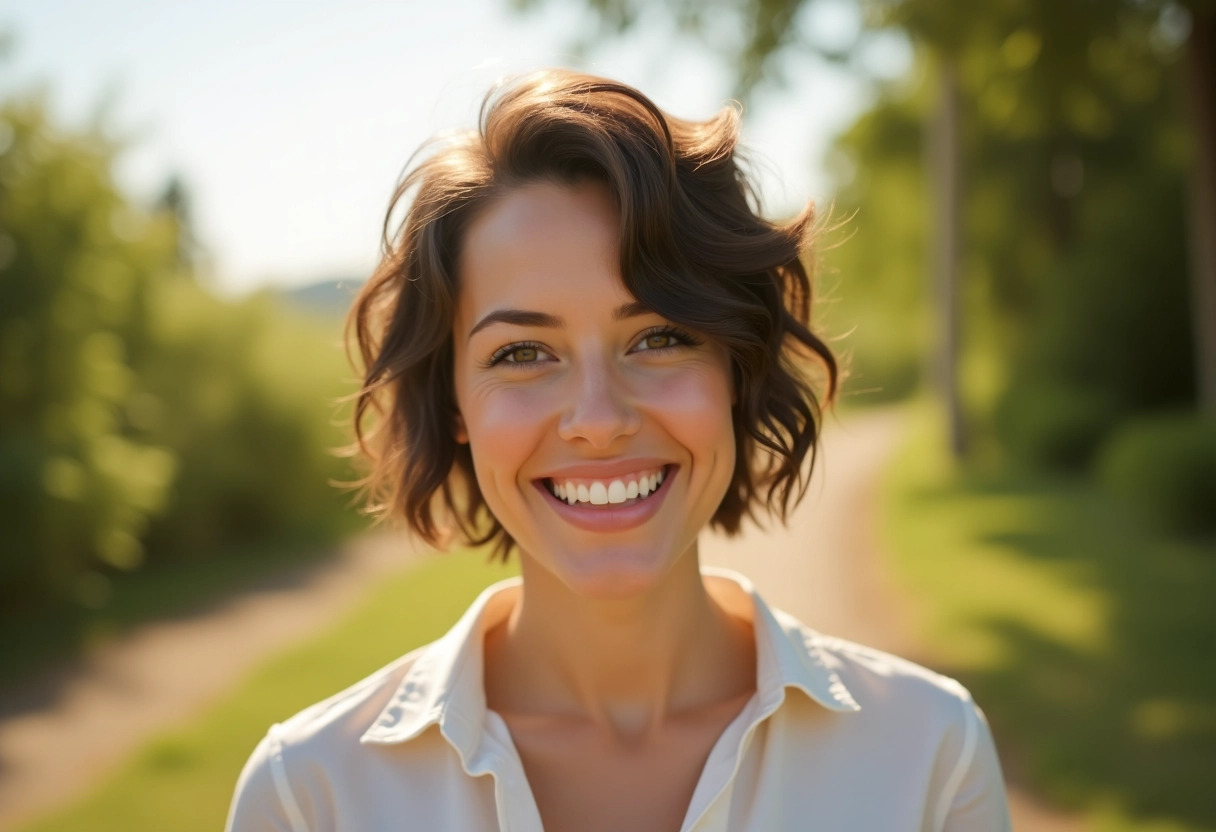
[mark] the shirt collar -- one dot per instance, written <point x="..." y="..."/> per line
<point x="445" y="687"/>
<point x="789" y="654"/>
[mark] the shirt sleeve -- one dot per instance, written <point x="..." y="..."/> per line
<point x="973" y="799"/>
<point x="263" y="801"/>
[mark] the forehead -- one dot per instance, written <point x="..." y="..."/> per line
<point x="542" y="244"/>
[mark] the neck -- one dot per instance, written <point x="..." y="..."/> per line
<point x="626" y="664"/>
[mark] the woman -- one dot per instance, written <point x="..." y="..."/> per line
<point x="583" y="346"/>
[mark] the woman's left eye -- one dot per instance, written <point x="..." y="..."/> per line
<point x="664" y="339"/>
<point x="657" y="342"/>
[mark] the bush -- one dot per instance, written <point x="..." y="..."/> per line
<point x="141" y="418"/>
<point x="245" y="398"/>
<point x="1166" y="466"/>
<point x="1054" y="427"/>
<point x="78" y="482"/>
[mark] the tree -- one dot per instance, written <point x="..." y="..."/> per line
<point x="1201" y="104"/>
<point x="1077" y="295"/>
<point x="175" y="201"/>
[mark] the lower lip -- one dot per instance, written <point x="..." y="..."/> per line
<point x="610" y="518"/>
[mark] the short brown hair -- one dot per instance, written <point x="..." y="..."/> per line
<point x="693" y="249"/>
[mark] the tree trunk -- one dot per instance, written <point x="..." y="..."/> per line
<point x="1201" y="100"/>
<point x="945" y="168"/>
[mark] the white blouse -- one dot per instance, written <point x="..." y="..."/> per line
<point x="837" y="737"/>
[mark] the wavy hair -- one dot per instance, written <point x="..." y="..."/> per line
<point x="693" y="249"/>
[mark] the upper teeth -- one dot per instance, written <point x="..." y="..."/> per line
<point x="602" y="492"/>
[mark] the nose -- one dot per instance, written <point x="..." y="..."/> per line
<point x="599" y="409"/>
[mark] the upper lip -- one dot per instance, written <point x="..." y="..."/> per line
<point x="606" y="469"/>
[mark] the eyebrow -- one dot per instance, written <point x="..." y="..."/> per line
<point x="525" y="317"/>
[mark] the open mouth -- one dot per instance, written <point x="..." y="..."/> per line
<point x="616" y="492"/>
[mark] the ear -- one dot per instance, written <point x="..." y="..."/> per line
<point x="460" y="433"/>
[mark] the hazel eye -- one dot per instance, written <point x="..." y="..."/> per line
<point x="518" y="355"/>
<point x="659" y="340"/>
<point x="666" y="338"/>
<point x="521" y="355"/>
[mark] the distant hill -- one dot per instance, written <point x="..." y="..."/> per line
<point x="330" y="298"/>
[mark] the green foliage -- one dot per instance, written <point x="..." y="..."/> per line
<point x="1075" y="280"/>
<point x="872" y="277"/>
<point x="1165" y="467"/>
<point x="1055" y="426"/>
<point x="244" y="396"/>
<point x="140" y="417"/>
<point x="1104" y="313"/>
<point x="1109" y="332"/>
<point x="78" y="482"/>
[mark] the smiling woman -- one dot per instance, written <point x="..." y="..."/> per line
<point x="584" y="346"/>
<point x="597" y="394"/>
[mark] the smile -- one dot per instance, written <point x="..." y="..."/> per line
<point x="637" y="486"/>
<point x="589" y="504"/>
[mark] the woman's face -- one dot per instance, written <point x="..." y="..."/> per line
<point x="563" y="380"/>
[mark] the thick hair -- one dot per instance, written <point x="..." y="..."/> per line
<point x="693" y="249"/>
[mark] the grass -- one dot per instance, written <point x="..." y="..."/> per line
<point x="184" y="780"/>
<point x="1088" y="639"/>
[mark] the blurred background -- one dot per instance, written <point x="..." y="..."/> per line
<point x="1018" y="257"/>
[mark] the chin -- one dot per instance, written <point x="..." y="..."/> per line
<point x="614" y="573"/>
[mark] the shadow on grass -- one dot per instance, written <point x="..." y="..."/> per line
<point x="1131" y="724"/>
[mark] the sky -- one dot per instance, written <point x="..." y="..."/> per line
<point x="291" y="122"/>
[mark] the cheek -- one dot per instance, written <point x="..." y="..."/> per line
<point x="697" y="409"/>
<point x="504" y="427"/>
<point x="507" y="409"/>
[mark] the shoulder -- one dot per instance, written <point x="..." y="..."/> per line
<point x="343" y="717"/>
<point x="905" y="701"/>
<point x="923" y="717"/>
<point x="318" y="739"/>
<point x="867" y="679"/>
<point x="886" y="682"/>
<point x="917" y="710"/>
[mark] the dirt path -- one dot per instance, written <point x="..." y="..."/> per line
<point x="827" y="567"/>
<point x="115" y="700"/>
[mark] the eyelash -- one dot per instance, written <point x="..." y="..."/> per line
<point x="681" y="337"/>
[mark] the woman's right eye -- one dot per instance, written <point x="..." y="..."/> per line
<point x="517" y="355"/>
<point x="523" y="355"/>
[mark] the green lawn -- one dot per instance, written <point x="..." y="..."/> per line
<point x="1089" y="641"/>
<point x="184" y="780"/>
